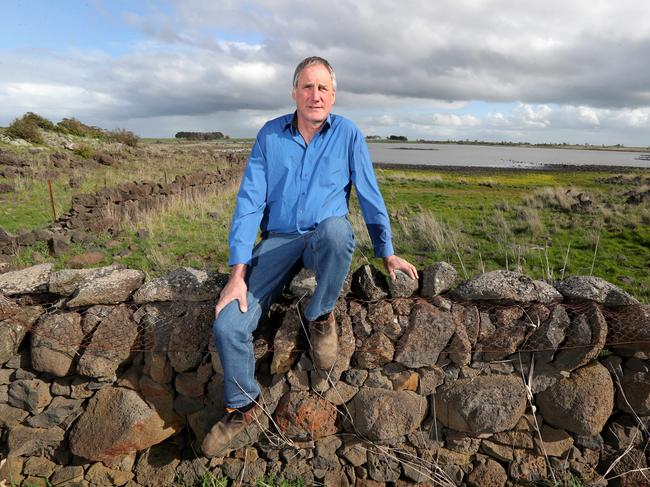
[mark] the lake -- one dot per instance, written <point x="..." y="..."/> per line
<point x="500" y="156"/>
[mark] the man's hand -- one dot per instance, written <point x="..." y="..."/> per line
<point x="235" y="288"/>
<point x="393" y="263"/>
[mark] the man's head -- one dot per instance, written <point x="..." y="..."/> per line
<point x="314" y="90"/>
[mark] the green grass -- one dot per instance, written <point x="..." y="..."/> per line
<point x="209" y="480"/>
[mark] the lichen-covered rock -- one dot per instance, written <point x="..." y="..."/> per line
<point x="117" y="421"/>
<point x="190" y="330"/>
<point x="112" y="288"/>
<point x="285" y="342"/>
<point x="369" y="284"/>
<point x="591" y="288"/>
<point x="67" y="281"/>
<point x="29" y="394"/>
<point x="382" y="466"/>
<point x="427" y="335"/>
<point x="60" y="409"/>
<point x="26" y="281"/>
<point x="487" y="474"/>
<point x="110" y="344"/>
<point x="376" y="351"/>
<point x="15" y="322"/>
<point x="304" y="416"/>
<point x="403" y="286"/>
<point x="581" y="403"/>
<point x="303" y="284"/>
<point x="157" y="466"/>
<point x="438" y="278"/>
<point x="483" y="404"/>
<point x="55" y="343"/>
<point x="26" y="441"/>
<point x="635" y="398"/>
<point x="183" y="284"/>
<point x="548" y="335"/>
<point x="379" y="414"/>
<point x="585" y="339"/>
<point x="507" y="286"/>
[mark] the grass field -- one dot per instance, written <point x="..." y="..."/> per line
<point x="477" y="219"/>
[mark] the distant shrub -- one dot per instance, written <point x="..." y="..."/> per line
<point x="398" y="137"/>
<point x="85" y="151"/>
<point x="123" y="136"/>
<point x="39" y="121"/>
<point x="75" y="127"/>
<point x="199" y="135"/>
<point x="26" y="129"/>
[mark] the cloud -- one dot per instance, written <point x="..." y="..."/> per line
<point x="561" y="66"/>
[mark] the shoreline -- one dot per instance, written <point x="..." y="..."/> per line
<point x="540" y="168"/>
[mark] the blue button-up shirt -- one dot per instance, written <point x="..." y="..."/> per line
<point x="289" y="186"/>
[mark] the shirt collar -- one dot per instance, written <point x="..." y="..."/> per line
<point x="292" y="123"/>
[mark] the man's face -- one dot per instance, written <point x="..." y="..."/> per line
<point x="314" y="94"/>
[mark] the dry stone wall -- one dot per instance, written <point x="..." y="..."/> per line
<point x="108" y="379"/>
<point x="105" y="210"/>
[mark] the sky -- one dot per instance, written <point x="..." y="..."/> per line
<point x="572" y="71"/>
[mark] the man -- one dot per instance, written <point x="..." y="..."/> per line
<point x="295" y="188"/>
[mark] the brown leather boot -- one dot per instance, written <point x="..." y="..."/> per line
<point x="218" y="440"/>
<point x="324" y="342"/>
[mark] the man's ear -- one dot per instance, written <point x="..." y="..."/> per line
<point x="333" y="96"/>
<point x="293" y="93"/>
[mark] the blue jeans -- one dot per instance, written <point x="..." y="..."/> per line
<point x="327" y="250"/>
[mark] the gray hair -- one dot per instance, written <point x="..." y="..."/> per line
<point x="310" y="61"/>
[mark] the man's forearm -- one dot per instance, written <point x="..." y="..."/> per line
<point x="238" y="271"/>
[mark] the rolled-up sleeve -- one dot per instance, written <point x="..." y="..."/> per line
<point x="371" y="202"/>
<point x="251" y="202"/>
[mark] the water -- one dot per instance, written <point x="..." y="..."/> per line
<point x="500" y="156"/>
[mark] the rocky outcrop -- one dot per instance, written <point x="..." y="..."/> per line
<point x="110" y="384"/>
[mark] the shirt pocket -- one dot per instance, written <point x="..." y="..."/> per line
<point x="333" y="172"/>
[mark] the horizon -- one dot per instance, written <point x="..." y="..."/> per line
<point x="539" y="74"/>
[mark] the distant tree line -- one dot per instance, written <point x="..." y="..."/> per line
<point x="200" y="135"/>
<point x="401" y="138"/>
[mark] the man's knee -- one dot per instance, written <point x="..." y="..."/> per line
<point x="336" y="232"/>
<point x="226" y="326"/>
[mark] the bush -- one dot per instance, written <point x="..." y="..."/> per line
<point x="39" y="121"/>
<point x="75" y="127"/>
<point x="124" y="136"/>
<point x="85" y="151"/>
<point x="25" y="128"/>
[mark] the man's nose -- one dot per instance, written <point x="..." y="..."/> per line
<point x="314" y="93"/>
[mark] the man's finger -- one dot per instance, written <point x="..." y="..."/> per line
<point x="243" y="303"/>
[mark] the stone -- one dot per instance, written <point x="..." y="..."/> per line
<point x="157" y="466"/>
<point x="630" y="330"/>
<point x="58" y="245"/>
<point x="360" y="325"/>
<point x="382" y="319"/>
<point x="355" y="377"/>
<point x="303" y="416"/>
<point x="182" y="284"/>
<point x="548" y="335"/>
<point x="585" y="340"/>
<point x="379" y="414"/>
<point x="84" y="260"/>
<point x="580" y="403"/>
<point x="325" y="455"/>
<point x="10" y="470"/>
<point x="487" y="474"/>
<point x="303" y="284"/>
<point x="369" y="284"/>
<point x="484" y="404"/>
<point x="100" y="475"/>
<point x="188" y="384"/>
<point x="528" y="468"/>
<point x="630" y="470"/>
<point x="501" y="452"/>
<point x="355" y="452"/>
<point x="635" y="397"/>
<point x="507" y="286"/>
<point x="406" y="380"/>
<point x="113" y="288"/>
<point x="26" y="441"/>
<point x="38" y="467"/>
<point x="161" y="398"/>
<point x="403" y="286"/>
<point x="67" y="281"/>
<point x="55" y="343"/>
<point x="67" y="475"/>
<point x="592" y="288"/>
<point x="31" y="280"/>
<point x="57" y="412"/>
<point x="10" y="416"/>
<point x="285" y="342"/>
<point x="438" y="278"/>
<point x="460" y="347"/>
<point x="430" y="379"/>
<point x="503" y="342"/>
<point x="375" y="351"/>
<point x="554" y="442"/>
<point x="156" y="339"/>
<point x="110" y="345"/>
<point x="427" y="335"/>
<point x="15" y="322"/>
<point x="190" y="327"/>
<point x="340" y="393"/>
<point x="376" y="379"/>
<point x="116" y="422"/>
<point x="32" y="395"/>
<point x="383" y="466"/>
